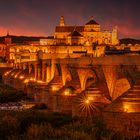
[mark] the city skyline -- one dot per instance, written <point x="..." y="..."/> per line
<point x="39" y="18"/>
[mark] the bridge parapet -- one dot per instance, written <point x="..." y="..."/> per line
<point x="106" y="60"/>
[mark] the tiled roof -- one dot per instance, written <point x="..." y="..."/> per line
<point x="92" y="22"/>
<point x="75" y="33"/>
<point x="69" y="28"/>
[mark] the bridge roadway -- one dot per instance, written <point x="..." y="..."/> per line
<point x="87" y="60"/>
<point x="106" y="60"/>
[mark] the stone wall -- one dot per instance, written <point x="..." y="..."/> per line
<point x="63" y="103"/>
<point x="117" y="81"/>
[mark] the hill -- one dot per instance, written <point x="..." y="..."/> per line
<point x="129" y="41"/>
<point x="22" y="39"/>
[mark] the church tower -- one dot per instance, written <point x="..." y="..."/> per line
<point x="62" y="21"/>
<point x="115" y="40"/>
<point x="7" y="39"/>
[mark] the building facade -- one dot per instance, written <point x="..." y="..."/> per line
<point x="87" y="34"/>
<point x="67" y="41"/>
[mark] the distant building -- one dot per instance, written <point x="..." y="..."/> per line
<point x="48" y="41"/>
<point x="2" y="50"/>
<point x="68" y="41"/>
<point x="8" y="39"/>
<point x="31" y="42"/>
<point x="88" y="34"/>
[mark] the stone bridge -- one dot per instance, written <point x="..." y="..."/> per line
<point x="69" y="84"/>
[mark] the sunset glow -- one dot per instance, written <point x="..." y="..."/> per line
<point x="37" y="18"/>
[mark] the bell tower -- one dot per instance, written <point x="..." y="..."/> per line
<point x="8" y="39"/>
<point x="62" y="21"/>
<point x="115" y="36"/>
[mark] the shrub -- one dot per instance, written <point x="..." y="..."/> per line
<point x="40" y="106"/>
<point x="118" y="136"/>
<point x="8" y="126"/>
<point x="8" y="94"/>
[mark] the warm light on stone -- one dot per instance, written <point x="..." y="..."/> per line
<point x="21" y="77"/>
<point x="90" y="98"/>
<point x="32" y="79"/>
<point x="40" y="82"/>
<point x="66" y="93"/>
<point x="125" y="109"/>
<point x="87" y="101"/>
<point x="6" y="73"/>
<point x="54" y="88"/>
<point x="26" y="81"/>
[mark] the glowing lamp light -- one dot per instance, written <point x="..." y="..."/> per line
<point x="125" y="109"/>
<point x="66" y="93"/>
<point x="90" y="98"/>
<point x="54" y="88"/>
<point x="6" y="73"/>
<point x="32" y="79"/>
<point x="26" y="81"/>
<point x="12" y="74"/>
<point x="21" y="77"/>
<point x="40" y="82"/>
<point x="87" y="101"/>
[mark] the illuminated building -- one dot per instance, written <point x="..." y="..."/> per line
<point x="88" y="34"/>
<point x="69" y="41"/>
<point x="73" y="63"/>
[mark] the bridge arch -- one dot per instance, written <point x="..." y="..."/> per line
<point x="12" y="49"/>
<point x="87" y="77"/>
<point x="12" y="56"/>
<point x="58" y="70"/>
<point x="31" y="68"/>
<point x="66" y="75"/>
<point x="44" y="49"/>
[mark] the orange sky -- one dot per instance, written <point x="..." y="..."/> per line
<point x="39" y="17"/>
